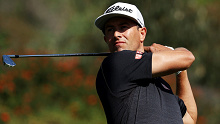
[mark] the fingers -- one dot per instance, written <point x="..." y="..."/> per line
<point x="156" y="48"/>
<point x="150" y="49"/>
<point x="153" y="49"/>
<point x="147" y="49"/>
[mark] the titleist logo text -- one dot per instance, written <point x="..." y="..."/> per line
<point x="118" y="8"/>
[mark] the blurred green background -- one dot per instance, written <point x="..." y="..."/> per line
<point x="62" y="90"/>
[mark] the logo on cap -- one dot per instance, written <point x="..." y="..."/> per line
<point x="118" y="8"/>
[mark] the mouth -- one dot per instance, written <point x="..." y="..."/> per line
<point x="119" y="43"/>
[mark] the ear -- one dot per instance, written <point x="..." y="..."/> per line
<point x="143" y="32"/>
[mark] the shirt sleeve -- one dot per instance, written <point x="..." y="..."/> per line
<point x="121" y="69"/>
<point x="182" y="106"/>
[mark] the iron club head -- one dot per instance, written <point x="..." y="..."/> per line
<point x="8" y="61"/>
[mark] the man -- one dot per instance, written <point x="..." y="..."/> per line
<point x="129" y="81"/>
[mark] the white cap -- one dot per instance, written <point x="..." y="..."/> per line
<point x="122" y="10"/>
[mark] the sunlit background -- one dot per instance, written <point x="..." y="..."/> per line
<point x="62" y="90"/>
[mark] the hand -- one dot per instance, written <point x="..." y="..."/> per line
<point x="156" y="48"/>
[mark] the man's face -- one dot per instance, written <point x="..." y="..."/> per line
<point x="123" y="34"/>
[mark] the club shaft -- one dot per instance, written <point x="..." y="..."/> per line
<point x="59" y="55"/>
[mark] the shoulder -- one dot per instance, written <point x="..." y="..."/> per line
<point x="125" y="55"/>
<point x="126" y="58"/>
<point x="119" y="56"/>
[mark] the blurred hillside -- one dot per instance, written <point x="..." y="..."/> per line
<point x="62" y="90"/>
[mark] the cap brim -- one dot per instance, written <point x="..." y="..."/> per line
<point x="101" y="20"/>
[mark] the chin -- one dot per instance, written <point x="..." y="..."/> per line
<point x="119" y="50"/>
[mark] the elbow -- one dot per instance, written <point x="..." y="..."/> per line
<point x="190" y="59"/>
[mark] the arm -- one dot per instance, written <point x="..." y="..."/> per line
<point x="166" y="61"/>
<point x="184" y="91"/>
<point x="175" y="60"/>
<point x="171" y="80"/>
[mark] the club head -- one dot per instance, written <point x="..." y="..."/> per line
<point x="8" y="61"/>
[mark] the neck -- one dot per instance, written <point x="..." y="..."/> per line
<point x="141" y="48"/>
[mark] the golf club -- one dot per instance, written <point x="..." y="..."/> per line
<point x="9" y="62"/>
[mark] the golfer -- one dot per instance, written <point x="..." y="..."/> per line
<point x="129" y="81"/>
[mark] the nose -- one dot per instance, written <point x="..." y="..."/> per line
<point x="117" y="34"/>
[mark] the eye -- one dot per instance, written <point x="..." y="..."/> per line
<point x="110" y="29"/>
<point x="124" y="27"/>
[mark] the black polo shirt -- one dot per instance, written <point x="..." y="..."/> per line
<point x="130" y="95"/>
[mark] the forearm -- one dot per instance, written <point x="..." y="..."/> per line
<point x="184" y="91"/>
<point x="166" y="61"/>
